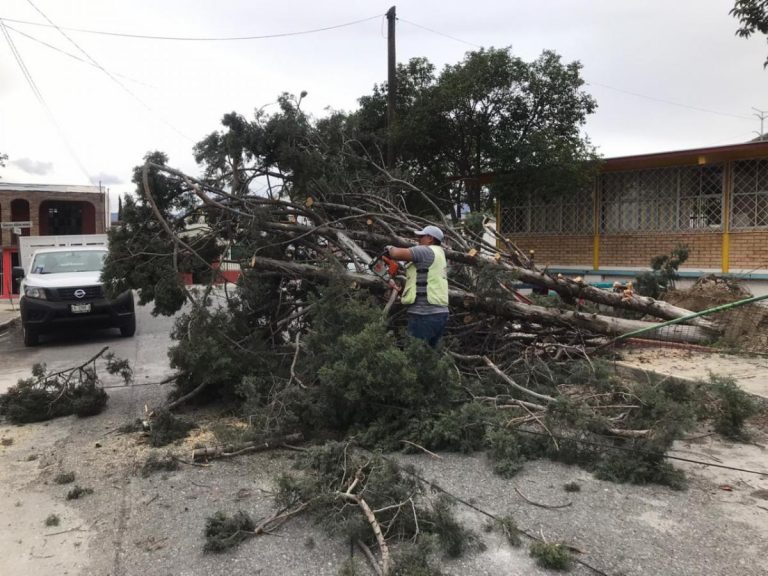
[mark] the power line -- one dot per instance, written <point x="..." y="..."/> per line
<point x="196" y="38"/>
<point x="36" y="91"/>
<point x="670" y="102"/>
<point x="57" y="49"/>
<point x="439" y="33"/>
<point x="109" y="74"/>
<point x="636" y="94"/>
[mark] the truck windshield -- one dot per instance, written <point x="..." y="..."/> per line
<point x="68" y="261"/>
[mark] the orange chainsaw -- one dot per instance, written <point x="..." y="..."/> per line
<point x="386" y="268"/>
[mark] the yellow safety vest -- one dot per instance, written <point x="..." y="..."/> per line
<point x="437" y="280"/>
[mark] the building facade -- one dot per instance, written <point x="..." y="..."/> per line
<point x="714" y="200"/>
<point x="45" y="210"/>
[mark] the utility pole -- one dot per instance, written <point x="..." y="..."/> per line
<point x="762" y="114"/>
<point x="392" y="87"/>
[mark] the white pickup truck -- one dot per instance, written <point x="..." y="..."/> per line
<point x="62" y="288"/>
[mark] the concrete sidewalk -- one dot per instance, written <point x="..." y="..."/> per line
<point x="9" y="312"/>
<point x="750" y="372"/>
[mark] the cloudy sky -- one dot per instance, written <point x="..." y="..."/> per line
<point x="667" y="74"/>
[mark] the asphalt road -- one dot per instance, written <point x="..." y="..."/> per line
<point x="147" y="350"/>
<point x="153" y="526"/>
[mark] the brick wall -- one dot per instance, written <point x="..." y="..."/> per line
<point x="558" y="250"/>
<point x="749" y="250"/>
<point x="635" y="250"/>
<point x="35" y="199"/>
<point x="630" y="250"/>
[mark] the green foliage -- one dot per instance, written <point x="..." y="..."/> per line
<point x="491" y="112"/>
<point x="416" y="559"/>
<point x="461" y="429"/>
<point x="505" y="452"/>
<point x="351" y="567"/>
<point x="551" y="555"/>
<point x="52" y="520"/>
<point x="141" y="252"/>
<point x="78" y="491"/>
<point x="572" y="487"/>
<point x="50" y="394"/>
<point x="223" y="532"/>
<point x="664" y="273"/>
<point x="366" y="381"/>
<point x="455" y="540"/>
<point x="332" y="468"/>
<point x="204" y="354"/>
<point x="732" y="406"/>
<point x="507" y="527"/>
<point x="644" y="465"/>
<point x="165" y="428"/>
<point x="64" y="478"/>
<point x="752" y="16"/>
<point x="120" y="366"/>
<point x="155" y="463"/>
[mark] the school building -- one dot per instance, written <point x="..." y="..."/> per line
<point x="714" y="200"/>
<point x="45" y="210"/>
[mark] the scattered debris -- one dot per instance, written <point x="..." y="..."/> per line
<point x="52" y="520"/>
<point x="155" y="463"/>
<point x="78" y="491"/>
<point x="6" y="441"/>
<point x="50" y="394"/>
<point x="64" y="478"/>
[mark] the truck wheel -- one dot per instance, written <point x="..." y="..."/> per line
<point x="128" y="329"/>
<point x="31" y="338"/>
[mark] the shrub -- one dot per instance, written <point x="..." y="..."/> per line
<point x="552" y="556"/>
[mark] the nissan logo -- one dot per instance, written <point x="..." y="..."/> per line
<point x="79" y="293"/>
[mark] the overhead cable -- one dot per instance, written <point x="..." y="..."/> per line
<point x="41" y="99"/>
<point x="195" y="38"/>
<point x="636" y="94"/>
<point x="75" y="57"/>
<point x="439" y="33"/>
<point x="110" y="75"/>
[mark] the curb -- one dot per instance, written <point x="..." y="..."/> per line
<point x="8" y="323"/>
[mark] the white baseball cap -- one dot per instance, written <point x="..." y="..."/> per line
<point x="433" y="231"/>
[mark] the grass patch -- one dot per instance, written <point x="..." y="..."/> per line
<point x="78" y="491"/>
<point x="572" y="487"/>
<point x="552" y="556"/>
<point x="6" y="441"/>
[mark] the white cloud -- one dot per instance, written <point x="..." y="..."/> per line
<point x="33" y="166"/>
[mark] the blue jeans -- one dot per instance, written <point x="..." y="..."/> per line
<point x="427" y="327"/>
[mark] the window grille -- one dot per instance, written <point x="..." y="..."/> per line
<point x="664" y="200"/>
<point x="530" y="213"/>
<point x="749" y="208"/>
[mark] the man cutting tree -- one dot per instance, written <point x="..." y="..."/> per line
<point x="426" y="285"/>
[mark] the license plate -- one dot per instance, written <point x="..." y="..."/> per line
<point x="80" y="308"/>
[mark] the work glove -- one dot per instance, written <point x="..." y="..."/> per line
<point x="387" y="248"/>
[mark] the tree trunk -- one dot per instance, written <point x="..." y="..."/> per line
<point x="508" y="309"/>
<point x="563" y="286"/>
